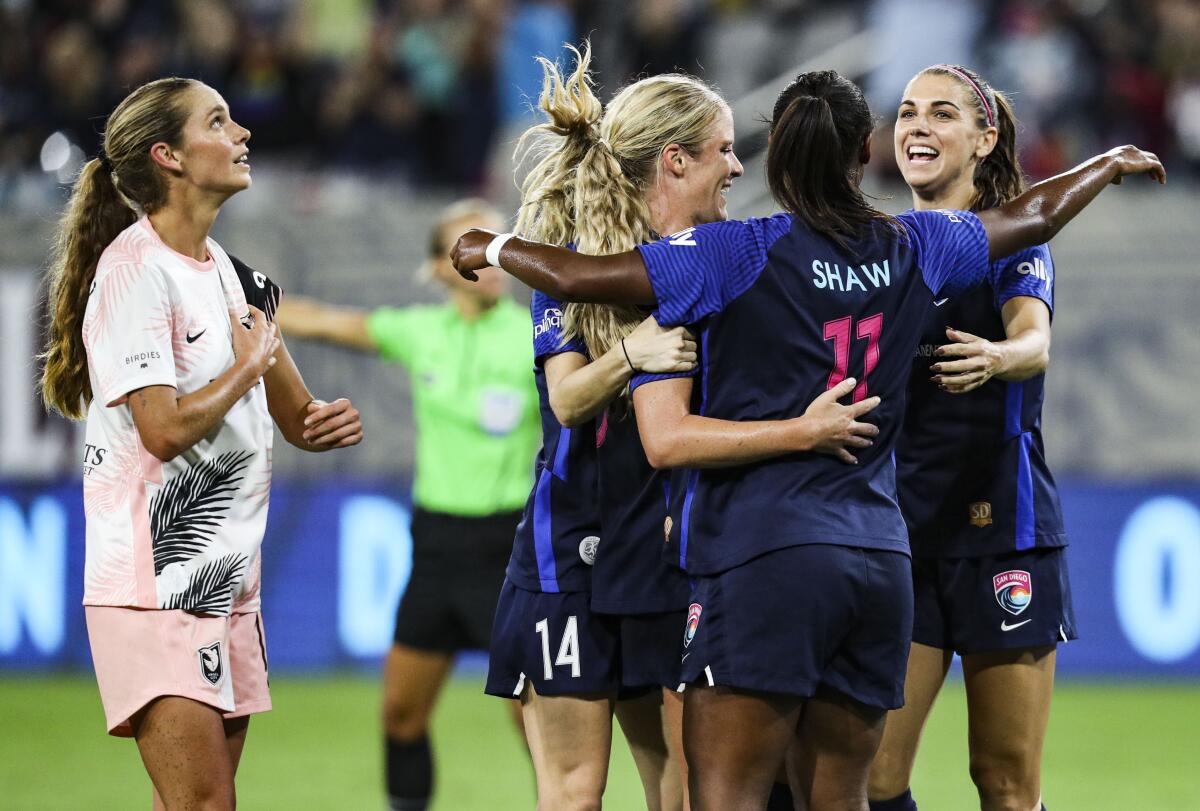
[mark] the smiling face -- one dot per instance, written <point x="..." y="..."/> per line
<point x="938" y="139"/>
<point x="213" y="155"/>
<point x="711" y="172"/>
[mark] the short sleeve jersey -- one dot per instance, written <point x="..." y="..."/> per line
<point x="971" y="468"/>
<point x="784" y="313"/>
<point x="474" y="403"/>
<point x="556" y="542"/>
<point x="183" y="534"/>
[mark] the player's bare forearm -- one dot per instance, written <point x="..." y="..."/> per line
<point x="307" y="423"/>
<point x="169" y="423"/>
<point x="558" y="272"/>
<point x="674" y="437"/>
<point x="1024" y="355"/>
<point x="1026" y="347"/>
<point x="288" y="398"/>
<point x="583" y="391"/>
<point x="704" y="442"/>
<point x="1042" y="211"/>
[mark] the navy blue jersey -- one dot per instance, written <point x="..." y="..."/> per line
<point x="556" y="541"/>
<point x="632" y="575"/>
<point x="783" y="314"/>
<point x="971" y="468"/>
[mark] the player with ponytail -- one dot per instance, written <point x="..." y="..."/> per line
<point x="988" y="543"/>
<point x="166" y="345"/>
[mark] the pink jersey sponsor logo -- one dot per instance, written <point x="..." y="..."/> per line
<point x="1014" y="590"/>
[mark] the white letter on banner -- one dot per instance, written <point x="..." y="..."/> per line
<point x="33" y="575"/>
<point x="1162" y="536"/>
<point x="374" y="562"/>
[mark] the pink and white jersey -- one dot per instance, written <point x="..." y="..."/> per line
<point x="186" y="533"/>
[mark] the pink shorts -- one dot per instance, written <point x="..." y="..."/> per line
<point x="142" y="654"/>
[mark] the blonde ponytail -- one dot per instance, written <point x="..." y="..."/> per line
<point x="594" y="167"/>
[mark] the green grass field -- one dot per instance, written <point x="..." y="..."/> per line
<point x="1111" y="746"/>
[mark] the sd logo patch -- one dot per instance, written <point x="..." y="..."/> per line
<point x="981" y="513"/>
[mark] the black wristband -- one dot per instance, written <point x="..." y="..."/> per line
<point x="632" y="368"/>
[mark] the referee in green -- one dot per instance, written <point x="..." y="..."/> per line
<point x="476" y="414"/>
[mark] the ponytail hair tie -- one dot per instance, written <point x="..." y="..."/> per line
<point x="105" y="163"/>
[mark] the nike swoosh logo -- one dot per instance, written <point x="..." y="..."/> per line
<point x="1004" y="626"/>
<point x="191" y="339"/>
<point x="940" y="303"/>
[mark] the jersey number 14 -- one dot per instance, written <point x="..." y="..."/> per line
<point x="568" y="648"/>
<point x="839" y="330"/>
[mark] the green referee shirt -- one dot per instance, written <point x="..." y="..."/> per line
<point x="474" y="402"/>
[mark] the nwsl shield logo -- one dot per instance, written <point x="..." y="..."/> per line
<point x="693" y="622"/>
<point x="211" y="668"/>
<point x="1014" y="590"/>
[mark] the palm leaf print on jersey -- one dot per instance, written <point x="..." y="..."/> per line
<point x="186" y="512"/>
<point x="210" y="589"/>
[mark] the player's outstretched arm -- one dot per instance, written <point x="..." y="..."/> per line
<point x="1042" y="211"/>
<point x="580" y="390"/>
<point x="563" y="274"/>
<point x="303" y="317"/>
<point x="674" y="437"/>
<point x="306" y="422"/>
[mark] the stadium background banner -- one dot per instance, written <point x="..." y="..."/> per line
<point x="338" y="555"/>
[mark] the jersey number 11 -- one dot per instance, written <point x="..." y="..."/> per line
<point x="838" y="330"/>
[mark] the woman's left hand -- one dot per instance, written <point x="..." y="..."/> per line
<point x="981" y="360"/>
<point x="332" y="425"/>
<point x="468" y="253"/>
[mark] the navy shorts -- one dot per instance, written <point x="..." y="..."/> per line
<point x="552" y="640"/>
<point x="805" y="617"/>
<point x="1002" y="602"/>
<point x="650" y="646"/>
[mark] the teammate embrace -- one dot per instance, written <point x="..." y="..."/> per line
<point x="797" y="636"/>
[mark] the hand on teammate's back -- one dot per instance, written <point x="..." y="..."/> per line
<point x="977" y="360"/>
<point x="656" y="349"/>
<point x="837" y="427"/>
<point x="468" y="253"/>
<point x="1131" y="161"/>
<point x="254" y="340"/>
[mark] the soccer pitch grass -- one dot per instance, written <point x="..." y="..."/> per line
<point x="1111" y="746"/>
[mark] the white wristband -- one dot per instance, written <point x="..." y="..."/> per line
<point x="492" y="254"/>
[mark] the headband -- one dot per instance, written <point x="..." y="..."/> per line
<point x="960" y="73"/>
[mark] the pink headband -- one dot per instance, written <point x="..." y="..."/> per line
<point x="987" y="108"/>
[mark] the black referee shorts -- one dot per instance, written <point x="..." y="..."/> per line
<point x="458" y="568"/>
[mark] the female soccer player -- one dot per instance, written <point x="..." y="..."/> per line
<point x="165" y="343"/>
<point x="989" y="567"/>
<point x="802" y="605"/>
<point x="588" y="580"/>
<point x="476" y="426"/>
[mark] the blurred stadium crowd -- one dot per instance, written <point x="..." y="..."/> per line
<point x="422" y="89"/>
